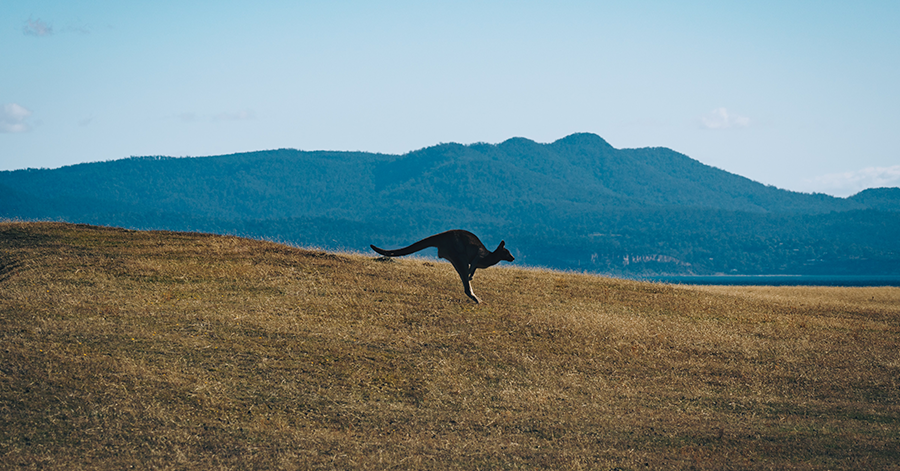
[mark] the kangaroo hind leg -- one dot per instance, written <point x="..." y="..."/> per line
<point x="464" y="275"/>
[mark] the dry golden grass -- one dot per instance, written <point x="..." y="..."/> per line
<point x="170" y="350"/>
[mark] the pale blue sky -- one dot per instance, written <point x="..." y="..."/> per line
<point x="800" y="95"/>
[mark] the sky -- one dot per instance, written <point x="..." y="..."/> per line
<point x="801" y="95"/>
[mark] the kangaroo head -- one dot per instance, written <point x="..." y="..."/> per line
<point x="502" y="253"/>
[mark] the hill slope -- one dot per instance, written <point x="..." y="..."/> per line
<point x="577" y="203"/>
<point x="158" y="349"/>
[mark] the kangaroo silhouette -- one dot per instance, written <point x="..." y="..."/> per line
<point x="462" y="249"/>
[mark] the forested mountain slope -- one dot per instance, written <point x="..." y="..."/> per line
<point x="574" y="203"/>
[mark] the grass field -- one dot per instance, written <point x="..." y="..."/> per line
<point x="190" y="351"/>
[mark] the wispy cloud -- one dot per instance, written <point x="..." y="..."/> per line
<point x="721" y="118"/>
<point x="850" y="183"/>
<point x="12" y="119"/>
<point x="79" y="29"/>
<point x="192" y="117"/>
<point x="241" y="115"/>
<point x="187" y="117"/>
<point x="37" y="27"/>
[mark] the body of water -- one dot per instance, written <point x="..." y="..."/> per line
<point x="780" y="280"/>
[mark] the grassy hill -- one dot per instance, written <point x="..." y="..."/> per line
<point x="192" y="351"/>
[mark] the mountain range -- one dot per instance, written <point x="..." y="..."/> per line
<point x="577" y="203"/>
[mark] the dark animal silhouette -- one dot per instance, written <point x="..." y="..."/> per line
<point x="462" y="249"/>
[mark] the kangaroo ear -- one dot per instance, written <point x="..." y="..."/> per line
<point x="502" y="243"/>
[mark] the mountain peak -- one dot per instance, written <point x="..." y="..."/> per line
<point x="583" y="139"/>
<point x="520" y="143"/>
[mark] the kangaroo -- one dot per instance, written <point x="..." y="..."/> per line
<point x="462" y="249"/>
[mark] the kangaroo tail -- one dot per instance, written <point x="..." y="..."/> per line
<point x="420" y="245"/>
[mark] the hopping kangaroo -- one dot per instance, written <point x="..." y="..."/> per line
<point x="462" y="249"/>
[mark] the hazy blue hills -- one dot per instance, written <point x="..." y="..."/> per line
<point x="884" y="199"/>
<point x="584" y="169"/>
<point x="574" y="203"/>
